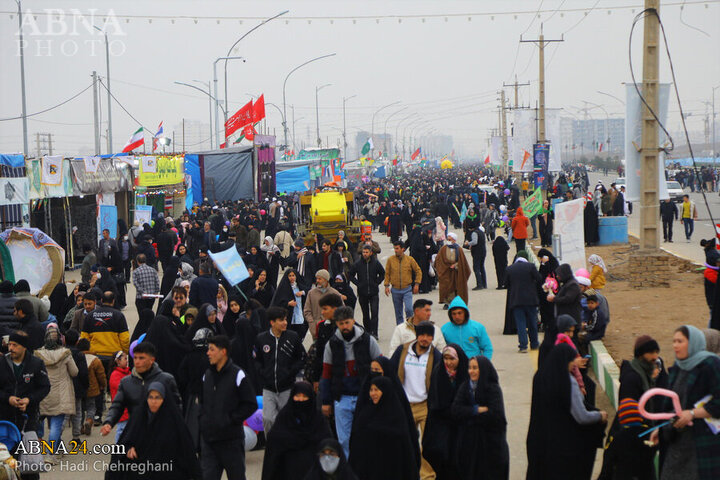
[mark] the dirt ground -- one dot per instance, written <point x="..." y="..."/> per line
<point x="653" y="311"/>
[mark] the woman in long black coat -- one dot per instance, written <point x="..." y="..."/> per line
<point x="156" y="435"/>
<point x="545" y="219"/>
<point x="547" y="269"/>
<point x="480" y="410"/>
<point x="500" y="250"/>
<point x="190" y="380"/>
<point x="284" y="294"/>
<point x="298" y="430"/>
<point x="559" y="447"/>
<point x="380" y="445"/>
<point x="441" y="429"/>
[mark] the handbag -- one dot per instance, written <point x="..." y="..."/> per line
<point x="29" y="463"/>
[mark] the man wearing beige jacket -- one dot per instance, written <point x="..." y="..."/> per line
<point x="311" y="310"/>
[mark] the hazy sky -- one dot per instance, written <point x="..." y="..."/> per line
<point x="446" y="69"/>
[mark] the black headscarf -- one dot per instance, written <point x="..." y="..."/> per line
<point x="284" y="292"/>
<point x="171" y="347"/>
<point x="57" y="300"/>
<point x="548" y="267"/>
<point x="442" y="390"/>
<point x="202" y="322"/>
<point x="343" y="472"/>
<point x="381" y="444"/>
<point x="160" y="437"/>
<point x="295" y="435"/>
<point x="145" y="319"/>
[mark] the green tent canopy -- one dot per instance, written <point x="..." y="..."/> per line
<point x="6" y="266"/>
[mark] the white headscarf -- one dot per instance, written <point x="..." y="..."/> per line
<point x="453" y="236"/>
<point x="596" y="259"/>
<point x="269" y="249"/>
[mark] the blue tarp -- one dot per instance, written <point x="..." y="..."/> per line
<point x="293" y="180"/>
<point x="13" y="161"/>
<point x="192" y="170"/>
<point x="380" y="172"/>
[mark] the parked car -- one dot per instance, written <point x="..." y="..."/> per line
<point x="675" y="191"/>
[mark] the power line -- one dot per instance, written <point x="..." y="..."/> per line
<point x="123" y="107"/>
<point x="51" y="108"/>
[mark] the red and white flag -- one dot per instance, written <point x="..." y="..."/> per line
<point x="136" y="141"/>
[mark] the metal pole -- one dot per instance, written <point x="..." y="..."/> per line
<point x="541" y="85"/>
<point x="372" y="128"/>
<point x="317" y="113"/>
<point x="95" y="112"/>
<point x="22" y="78"/>
<point x="238" y="41"/>
<point x="285" y="83"/>
<point x="386" y="123"/>
<point x="649" y="196"/>
<point x="109" y="103"/>
<point x="345" y="99"/>
<point x="217" y="102"/>
<point x="714" y="150"/>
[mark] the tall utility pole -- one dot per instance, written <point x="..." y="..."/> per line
<point x="317" y="113"/>
<point x="649" y="202"/>
<point x="109" y="96"/>
<point x="503" y="131"/>
<point x="345" y="99"/>
<point x="541" y="42"/>
<point x="96" y="113"/>
<point x="516" y="85"/>
<point x="22" y="77"/>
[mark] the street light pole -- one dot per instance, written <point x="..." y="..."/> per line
<point x="22" y="78"/>
<point x="396" y="131"/>
<point x="317" y="113"/>
<point x="238" y="41"/>
<point x="386" y="123"/>
<point x="714" y="151"/>
<point x="109" y="102"/>
<point x="211" y="99"/>
<point x="285" y="83"/>
<point x="217" y="102"/>
<point x="345" y="99"/>
<point x="372" y="128"/>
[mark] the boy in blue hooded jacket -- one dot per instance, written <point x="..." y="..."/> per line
<point x="469" y="334"/>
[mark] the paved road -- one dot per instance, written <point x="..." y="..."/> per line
<point x="486" y="306"/>
<point x="680" y="247"/>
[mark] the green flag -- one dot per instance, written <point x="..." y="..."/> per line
<point x="533" y="204"/>
<point x="367" y="147"/>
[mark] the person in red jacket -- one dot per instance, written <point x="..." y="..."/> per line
<point x="519" y="229"/>
<point x="119" y="372"/>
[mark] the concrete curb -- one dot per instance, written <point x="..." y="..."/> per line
<point x="606" y="371"/>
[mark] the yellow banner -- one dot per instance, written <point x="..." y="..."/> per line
<point x="169" y="171"/>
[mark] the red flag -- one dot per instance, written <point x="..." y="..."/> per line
<point x="249" y="132"/>
<point x="241" y="118"/>
<point x="526" y="155"/>
<point x="258" y="109"/>
<point x="395" y="162"/>
<point x="600" y="147"/>
<point x="415" y="154"/>
<point x="223" y="145"/>
<point x="487" y="159"/>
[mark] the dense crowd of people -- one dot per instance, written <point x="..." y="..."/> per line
<point x="206" y="357"/>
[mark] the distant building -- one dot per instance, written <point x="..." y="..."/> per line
<point x="589" y="135"/>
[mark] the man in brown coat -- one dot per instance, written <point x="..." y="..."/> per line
<point x="312" y="310"/>
<point x="453" y="271"/>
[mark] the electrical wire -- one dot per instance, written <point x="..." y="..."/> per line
<point x="638" y="17"/>
<point x="682" y="10"/>
<point x="123" y="107"/>
<point x="51" y="108"/>
<point x="682" y="117"/>
<point x="583" y="17"/>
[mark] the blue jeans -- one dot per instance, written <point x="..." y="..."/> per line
<point x="344" y="413"/>
<point x="400" y="298"/>
<point x="119" y="429"/>
<point x="689" y="227"/>
<point x="56" y="428"/>
<point x="526" y="322"/>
